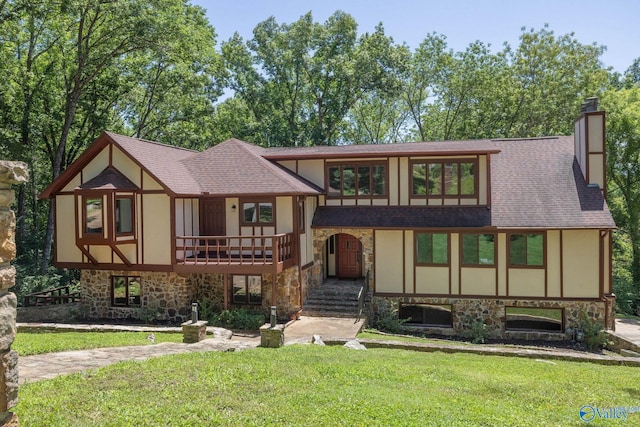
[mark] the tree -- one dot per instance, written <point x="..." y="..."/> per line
<point x="300" y="80"/>
<point x="623" y="167"/>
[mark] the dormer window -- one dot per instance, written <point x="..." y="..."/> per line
<point x="357" y="180"/>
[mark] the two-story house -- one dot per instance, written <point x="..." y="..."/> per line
<point x="514" y="233"/>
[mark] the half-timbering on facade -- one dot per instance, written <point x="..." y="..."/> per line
<point x="514" y="233"/>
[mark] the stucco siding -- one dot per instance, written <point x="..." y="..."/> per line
<point x="157" y="229"/>
<point x="432" y="280"/>
<point x="66" y="249"/>
<point x="126" y="166"/>
<point x="581" y="260"/>
<point x="526" y="282"/>
<point x="388" y="261"/>
<point x="478" y="281"/>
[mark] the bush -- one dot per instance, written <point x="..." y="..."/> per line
<point x="595" y="337"/>
<point x="478" y="332"/>
<point x="627" y="296"/>
<point x="239" y="318"/>
<point x="207" y="310"/>
<point x="386" y="318"/>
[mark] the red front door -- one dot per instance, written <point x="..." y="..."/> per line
<point x="349" y="256"/>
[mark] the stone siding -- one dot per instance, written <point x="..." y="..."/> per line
<point x="168" y="296"/>
<point x="320" y="236"/>
<point x="164" y="296"/>
<point x="467" y="311"/>
<point x="10" y="173"/>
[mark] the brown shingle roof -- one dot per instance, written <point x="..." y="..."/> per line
<point x="480" y="146"/>
<point x="401" y="216"/>
<point x="109" y="179"/>
<point x="536" y="183"/>
<point x="235" y="167"/>
<point x="161" y="160"/>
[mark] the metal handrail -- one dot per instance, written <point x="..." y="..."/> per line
<point x="362" y="294"/>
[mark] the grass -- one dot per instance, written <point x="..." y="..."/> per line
<point x="29" y="343"/>
<point x="627" y="316"/>
<point x="318" y="386"/>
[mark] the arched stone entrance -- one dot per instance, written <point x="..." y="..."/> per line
<point x="321" y="238"/>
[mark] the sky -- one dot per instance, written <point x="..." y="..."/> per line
<point x="613" y="23"/>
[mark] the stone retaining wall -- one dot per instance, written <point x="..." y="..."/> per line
<point x="10" y="173"/>
<point x="465" y="312"/>
<point x="50" y="313"/>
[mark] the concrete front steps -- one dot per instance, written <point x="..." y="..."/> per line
<point x="333" y="298"/>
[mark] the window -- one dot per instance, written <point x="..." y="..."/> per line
<point x="427" y="314"/>
<point x="535" y="319"/>
<point x="257" y="212"/>
<point x="360" y="180"/>
<point x="125" y="291"/>
<point x="124" y="215"/>
<point x="432" y="248"/>
<point x="247" y="289"/>
<point x="93" y="215"/>
<point x="108" y="211"/>
<point x="526" y="249"/>
<point x="456" y="178"/>
<point x="478" y="249"/>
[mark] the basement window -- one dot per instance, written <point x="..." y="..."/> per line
<point x="535" y="319"/>
<point x="427" y="315"/>
<point x="125" y="291"/>
<point x="247" y="289"/>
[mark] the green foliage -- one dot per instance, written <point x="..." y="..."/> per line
<point x="29" y="343"/>
<point x="207" y="310"/>
<point x="594" y="336"/>
<point x="239" y="318"/>
<point x="27" y="282"/>
<point x="148" y="314"/>
<point x="385" y="316"/>
<point x="478" y="332"/>
<point x="341" y="387"/>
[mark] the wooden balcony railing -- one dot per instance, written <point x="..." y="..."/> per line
<point x="234" y="250"/>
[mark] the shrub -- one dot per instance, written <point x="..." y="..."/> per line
<point x="207" y="310"/>
<point x="478" y="332"/>
<point x="627" y="297"/>
<point x="595" y="337"/>
<point x="386" y="318"/>
<point x="239" y="318"/>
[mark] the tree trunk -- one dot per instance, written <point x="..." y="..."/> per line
<point x="21" y="211"/>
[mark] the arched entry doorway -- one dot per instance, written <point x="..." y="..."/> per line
<point x="347" y="256"/>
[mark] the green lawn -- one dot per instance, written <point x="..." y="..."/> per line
<point x="326" y="386"/>
<point x="28" y="343"/>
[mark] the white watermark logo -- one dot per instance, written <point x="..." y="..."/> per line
<point x="589" y="413"/>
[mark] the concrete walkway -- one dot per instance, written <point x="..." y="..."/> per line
<point x="303" y="329"/>
<point x="629" y="329"/>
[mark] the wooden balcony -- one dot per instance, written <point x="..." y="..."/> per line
<point x="235" y="254"/>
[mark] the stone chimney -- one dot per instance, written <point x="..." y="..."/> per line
<point x="589" y="144"/>
<point x="10" y="173"/>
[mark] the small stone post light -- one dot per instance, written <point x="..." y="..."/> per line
<point x="194" y="312"/>
<point x="272" y="334"/>
<point x="195" y="330"/>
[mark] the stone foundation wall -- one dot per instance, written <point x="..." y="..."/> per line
<point x="287" y="292"/>
<point x="10" y="173"/>
<point x="465" y="312"/>
<point x="165" y="296"/>
<point x="209" y="288"/>
<point x="168" y="296"/>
